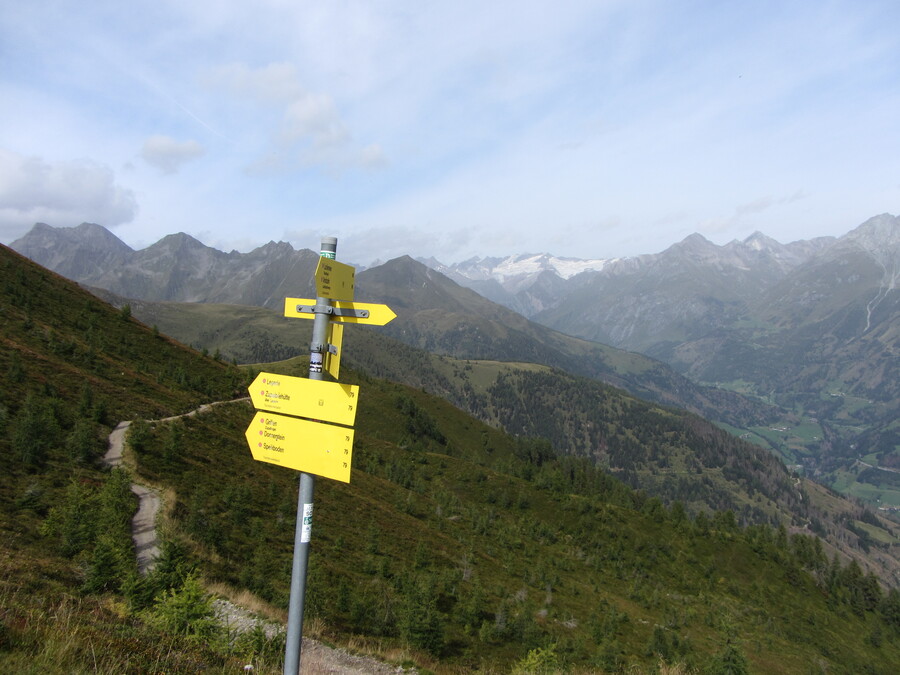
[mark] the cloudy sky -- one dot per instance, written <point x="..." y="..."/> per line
<point x="594" y="128"/>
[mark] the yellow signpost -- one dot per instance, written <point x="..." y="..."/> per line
<point x="320" y="449"/>
<point x="334" y="280"/>
<point x="313" y="446"/>
<point x="342" y="311"/>
<point x="315" y="399"/>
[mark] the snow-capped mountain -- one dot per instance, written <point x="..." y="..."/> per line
<point x="533" y="284"/>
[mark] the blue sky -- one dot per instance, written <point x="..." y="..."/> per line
<point x="454" y="129"/>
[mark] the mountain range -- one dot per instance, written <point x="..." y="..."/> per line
<point x="751" y="331"/>
<point x="434" y="313"/>
<point x="177" y="267"/>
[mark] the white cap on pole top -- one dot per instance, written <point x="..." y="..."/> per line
<point x="329" y="247"/>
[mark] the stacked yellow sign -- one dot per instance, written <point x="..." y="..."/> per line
<point x="312" y="444"/>
<point x="295" y="423"/>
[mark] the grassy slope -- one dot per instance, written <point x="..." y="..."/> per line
<point x="490" y="541"/>
<point x="471" y="529"/>
<point x="580" y="416"/>
<point x="71" y="359"/>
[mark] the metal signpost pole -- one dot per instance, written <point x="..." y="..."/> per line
<point x="317" y="349"/>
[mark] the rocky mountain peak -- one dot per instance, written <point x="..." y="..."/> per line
<point x="76" y="252"/>
<point x="179" y="240"/>
<point x="760" y="242"/>
<point x="877" y="233"/>
<point x="274" y="249"/>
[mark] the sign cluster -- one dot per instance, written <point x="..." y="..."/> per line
<point x="307" y="424"/>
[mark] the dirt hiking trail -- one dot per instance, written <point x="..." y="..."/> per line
<point x="317" y="658"/>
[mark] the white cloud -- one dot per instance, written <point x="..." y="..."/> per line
<point x="372" y="156"/>
<point x="313" y="117"/>
<point x="273" y="83"/>
<point x="34" y="190"/>
<point x="168" y="155"/>
<point x="310" y="130"/>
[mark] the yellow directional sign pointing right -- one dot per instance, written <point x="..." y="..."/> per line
<point x="344" y="312"/>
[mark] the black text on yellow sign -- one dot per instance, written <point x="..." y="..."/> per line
<point x="318" y="400"/>
<point x="335" y="280"/>
<point x="316" y="448"/>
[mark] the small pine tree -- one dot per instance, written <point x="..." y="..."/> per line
<point x="540" y="661"/>
<point x="105" y="571"/>
<point x="35" y="431"/>
<point x="15" y="372"/>
<point x="82" y="442"/>
<point x="730" y="661"/>
<point x="85" y="400"/>
<point x="420" y="622"/>
<point x="71" y="522"/>
<point x="172" y="446"/>
<point x="186" y="611"/>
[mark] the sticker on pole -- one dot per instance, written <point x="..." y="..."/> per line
<point x="306" y="530"/>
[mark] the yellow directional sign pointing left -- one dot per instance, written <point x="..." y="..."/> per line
<point x="342" y="311"/>
<point x="334" y="280"/>
<point x="321" y="449"/>
<point x="316" y="399"/>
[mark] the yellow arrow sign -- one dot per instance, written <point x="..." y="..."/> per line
<point x="344" y="312"/>
<point x="334" y="280"/>
<point x="326" y="401"/>
<point x="320" y="449"/>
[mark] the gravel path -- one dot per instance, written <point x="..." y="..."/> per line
<point x="143" y="528"/>
<point x="113" y="456"/>
<point x="316" y="658"/>
<point x="143" y="524"/>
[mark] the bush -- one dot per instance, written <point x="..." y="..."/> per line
<point x="540" y="661"/>
<point x="185" y="611"/>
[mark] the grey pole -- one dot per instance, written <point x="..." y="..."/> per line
<point x="303" y="529"/>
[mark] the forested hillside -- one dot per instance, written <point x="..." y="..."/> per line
<point x="73" y="368"/>
<point x="669" y="453"/>
<point x="456" y="546"/>
<point x="477" y="548"/>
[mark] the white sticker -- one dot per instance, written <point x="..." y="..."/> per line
<point x="306" y="532"/>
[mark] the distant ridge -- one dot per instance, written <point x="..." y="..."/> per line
<point x="176" y="268"/>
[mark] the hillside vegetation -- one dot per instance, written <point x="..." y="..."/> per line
<point x="476" y="548"/>
<point x="667" y="452"/>
<point x="73" y="367"/>
<point x="455" y="544"/>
